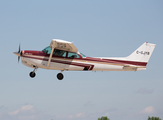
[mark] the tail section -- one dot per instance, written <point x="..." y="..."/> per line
<point x="143" y="53"/>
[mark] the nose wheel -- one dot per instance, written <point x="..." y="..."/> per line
<point x="32" y="74"/>
<point x="60" y="76"/>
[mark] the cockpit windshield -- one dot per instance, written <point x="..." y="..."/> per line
<point x="47" y="50"/>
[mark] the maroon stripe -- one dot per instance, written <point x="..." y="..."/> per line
<point x="40" y="53"/>
<point x="115" y="61"/>
<point x="127" y="62"/>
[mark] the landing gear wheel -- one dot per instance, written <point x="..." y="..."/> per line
<point x="32" y="74"/>
<point x="60" y="76"/>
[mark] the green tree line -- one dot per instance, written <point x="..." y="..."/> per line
<point x="153" y="118"/>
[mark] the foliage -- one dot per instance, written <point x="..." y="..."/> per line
<point x="103" y="118"/>
<point x="153" y="118"/>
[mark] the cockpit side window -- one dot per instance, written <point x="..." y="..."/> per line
<point x="59" y="53"/>
<point x="73" y="55"/>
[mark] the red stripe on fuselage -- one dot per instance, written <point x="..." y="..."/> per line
<point x="89" y="59"/>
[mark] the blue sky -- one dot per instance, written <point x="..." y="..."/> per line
<point x="97" y="28"/>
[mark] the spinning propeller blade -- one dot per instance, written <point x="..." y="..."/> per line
<point x="18" y="59"/>
<point x="19" y="48"/>
<point x="18" y="53"/>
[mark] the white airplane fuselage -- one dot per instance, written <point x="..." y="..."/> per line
<point x="40" y="60"/>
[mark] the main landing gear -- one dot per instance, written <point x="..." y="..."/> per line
<point x="60" y="75"/>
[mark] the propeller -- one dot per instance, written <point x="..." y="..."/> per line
<point x="18" y="53"/>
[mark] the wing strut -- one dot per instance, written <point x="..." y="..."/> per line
<point x="50" y="56"/>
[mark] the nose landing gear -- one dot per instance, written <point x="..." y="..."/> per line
<point x="33" y="74"/>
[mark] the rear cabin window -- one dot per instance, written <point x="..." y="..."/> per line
<point x="83" y="56"/>
<point x="73" y="55"/>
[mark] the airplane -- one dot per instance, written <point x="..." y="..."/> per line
<point x="64" y="56"/>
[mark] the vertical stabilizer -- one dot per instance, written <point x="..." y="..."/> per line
<point x="143" y="53"/>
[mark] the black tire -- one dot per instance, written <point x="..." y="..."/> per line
<point x="32" y="74"/>
<point x="60" y="76"/>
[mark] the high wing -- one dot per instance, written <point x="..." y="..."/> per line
<point x="61" y="45"/>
